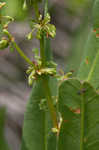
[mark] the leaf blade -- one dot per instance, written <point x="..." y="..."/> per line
<point x="89" y="67"/>
<point x="86" y="125"/>
<point x="34" y="121"/>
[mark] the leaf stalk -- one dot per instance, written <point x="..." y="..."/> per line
<point x="22" y="53"/>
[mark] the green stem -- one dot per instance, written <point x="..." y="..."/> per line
<point x="46" y="7"/>
<point x="46" y="86"/>
<point x="22" y="54"/>
<point x="45" y="79"/>
<point x="36" y="9"/>
<point x="18" y="48"/>
<point x="50" y="102"/>
<point x="42" y="50"/>
<point x="48" y="52"/>
<point x="82" y="123"/>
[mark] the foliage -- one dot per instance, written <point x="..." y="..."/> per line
<point x="89" y="66"/>
<point x="79" y="128"/>
<point x="62" y="112"/>
<point x="36" y="117"/>
<point x="3" y="143"/>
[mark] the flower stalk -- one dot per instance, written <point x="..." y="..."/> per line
<point x="45" y="78"/>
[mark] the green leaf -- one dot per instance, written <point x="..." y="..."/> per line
<point x="37" y="122"/>
<point x="74" y="58"/>
<point x="52" y="141"/>
<point x="33" y="1"/>
<point x="69" y="137"/>
<point x="89" y="68"/>
<point x="34" y="136"/>
<point x="66" y="88"/>
<point x="96" y="14"/>
<point x="3" y="143"/>
<point x="80" y="125"/>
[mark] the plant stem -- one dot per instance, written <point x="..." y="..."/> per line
<point x="42" y="51"/>
<point x="18" y="48"/>
<point x="82" y="123"/>
<point x="35" y="4"/>
<point x="46" y="7"/>
<point x="48" y="52"/>
<point x="50" y="103"/>
<point x="46" y="87"/>
<point x="22" y="54"/>
<point x="45" y="78"/>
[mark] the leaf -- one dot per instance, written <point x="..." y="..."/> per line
<point x="74" y="58"/>
<point x="34" y="136"/>
<point x="34" y="1"/>
<point x="66" y="88"/>
<point x="79" y="129"/>
<point x="3" y="143"/>
<point x="52" y="141"/>
<point x="89" y="68"/>
<point x="95" y="18"/>
<point x="69" y="137"/>
<point x="37" y="122"/>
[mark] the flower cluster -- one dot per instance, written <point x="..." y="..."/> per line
<point x="4" y="22"/>
<point x="37" y="71"/>
<point x="42" y="26"/>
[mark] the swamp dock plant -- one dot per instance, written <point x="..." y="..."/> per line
<point x="62" y="112"/>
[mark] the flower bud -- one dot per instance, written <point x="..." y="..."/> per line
<point x="25" y="6"/>
<point x="29" y="36"/>
<point x="4" y="44"/>
<point x="2" y="4"/>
